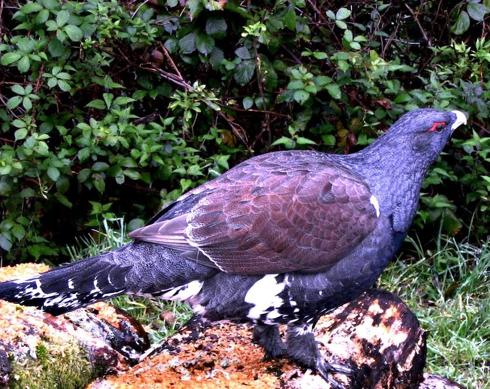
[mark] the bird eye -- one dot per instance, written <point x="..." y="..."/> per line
<point x="437" y="126"/>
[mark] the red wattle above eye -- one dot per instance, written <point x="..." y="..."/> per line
<point x="437" y="126"/>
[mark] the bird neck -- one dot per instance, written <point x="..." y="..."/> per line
<point x="394" y="176"/>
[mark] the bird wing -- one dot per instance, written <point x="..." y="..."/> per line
<point x="275" y="213"/>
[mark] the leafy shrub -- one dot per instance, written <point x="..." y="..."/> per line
<point x="112" y="107"/>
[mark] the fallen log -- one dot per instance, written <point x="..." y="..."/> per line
<point x="377" y="335"/>
<point x="38" y="350"/>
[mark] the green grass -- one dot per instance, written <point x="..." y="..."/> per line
<point x="448" y="289"/>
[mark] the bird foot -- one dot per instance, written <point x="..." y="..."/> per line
<point x="326" y="369"/>
<point x="270" y="339"/>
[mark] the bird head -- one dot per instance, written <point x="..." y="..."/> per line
<point x="423" y="133"/>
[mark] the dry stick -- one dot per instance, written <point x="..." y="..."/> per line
<point x="420" y="26"/>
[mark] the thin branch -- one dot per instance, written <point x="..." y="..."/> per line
<point x="420" y="25"/>
<point x="234" y="108"/>
<point x="169" y="58"/>
<point x="324" y="20"/>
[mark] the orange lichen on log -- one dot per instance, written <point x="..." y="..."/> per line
<point x="204" y="356"/>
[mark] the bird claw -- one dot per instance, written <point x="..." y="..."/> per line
<point x="326" y="369"/>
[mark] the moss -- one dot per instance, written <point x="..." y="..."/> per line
<point x="56" y="366"/>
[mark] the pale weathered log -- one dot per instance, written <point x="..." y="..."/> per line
<point x="38" y="350"/>
<point x="377" y="335"/>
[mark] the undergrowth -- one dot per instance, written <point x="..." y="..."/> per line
<point x="448" y="289"/>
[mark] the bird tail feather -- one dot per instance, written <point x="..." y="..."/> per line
<point x="68" y="287"/>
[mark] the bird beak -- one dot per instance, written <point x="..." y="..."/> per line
<point x="460" y="119"/>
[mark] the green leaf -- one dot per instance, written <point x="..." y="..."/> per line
<point x="243" y="53"/>
<point x="296" y="84"/>
<point x="195" y="7"/>
<point x="217" y="57"/>
<point x="9" y="58"/>
<point x="62" y="18"/>
<point x="287" y="142"/>
<point x="187" y="44"/>
<point x="100" y="166"/>
<point x="27" y="103"/>
<point x="204" y="43"/>
<point x="328" y="140"/>
<point x="99" y="183"/>
<point x="64" y="86"/>
<point x="341" y="24"/>
<point x="123" y="100"/>
<point x="18" y="89"/>
<point x="244" y="72"/>
<point x="18" y="231"/>
<point x="24" y="64"/>
<point x="56" y="48"/>
<point x="18" y="123"/>
<point x="51" y="4"/>
<point x="216" y="26"/>
<point x="133" y="174"/>
<point x="320" y="55"/>
<point x="74" y="33"/>
<point x="5" y="242"/>
<point x="342" y="14"/>
<point x="334" y="91"/>
<point x="330" y="15"/>
<point x="52" y="82"/>
<point x="30" y="8"/>
<point x="20" y="134"/>
<point x="476" y="11"/>
<point x="13" y="102"/>
<point x="355" y="46"/>
<point x="304" y="141"/>
<point x="247" y="102"/>
<point x="63" y="200"/>
<point x="53" y="173"/>
<point x="290" y="19"/>
<point x="83" y="175"/>
<point x="42" y="16"/>
<point x="462" y="23"/>
<point x="97" y="104"/>
<point x="301" y="96"/>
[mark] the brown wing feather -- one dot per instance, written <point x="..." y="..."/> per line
<point x="272" y="214"/>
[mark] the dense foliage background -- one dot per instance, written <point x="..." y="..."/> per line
<point x="111" y="108"/>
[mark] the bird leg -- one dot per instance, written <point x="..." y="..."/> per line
<point x="303" y="348"/>
<point x="270" y="339"/>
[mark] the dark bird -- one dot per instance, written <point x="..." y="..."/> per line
<point x="281" y="238"/>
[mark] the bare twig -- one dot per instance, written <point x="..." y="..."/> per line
<point x="169" y="58"/>
<point x="420" y="25"/>
<point x="1" y="16"/>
